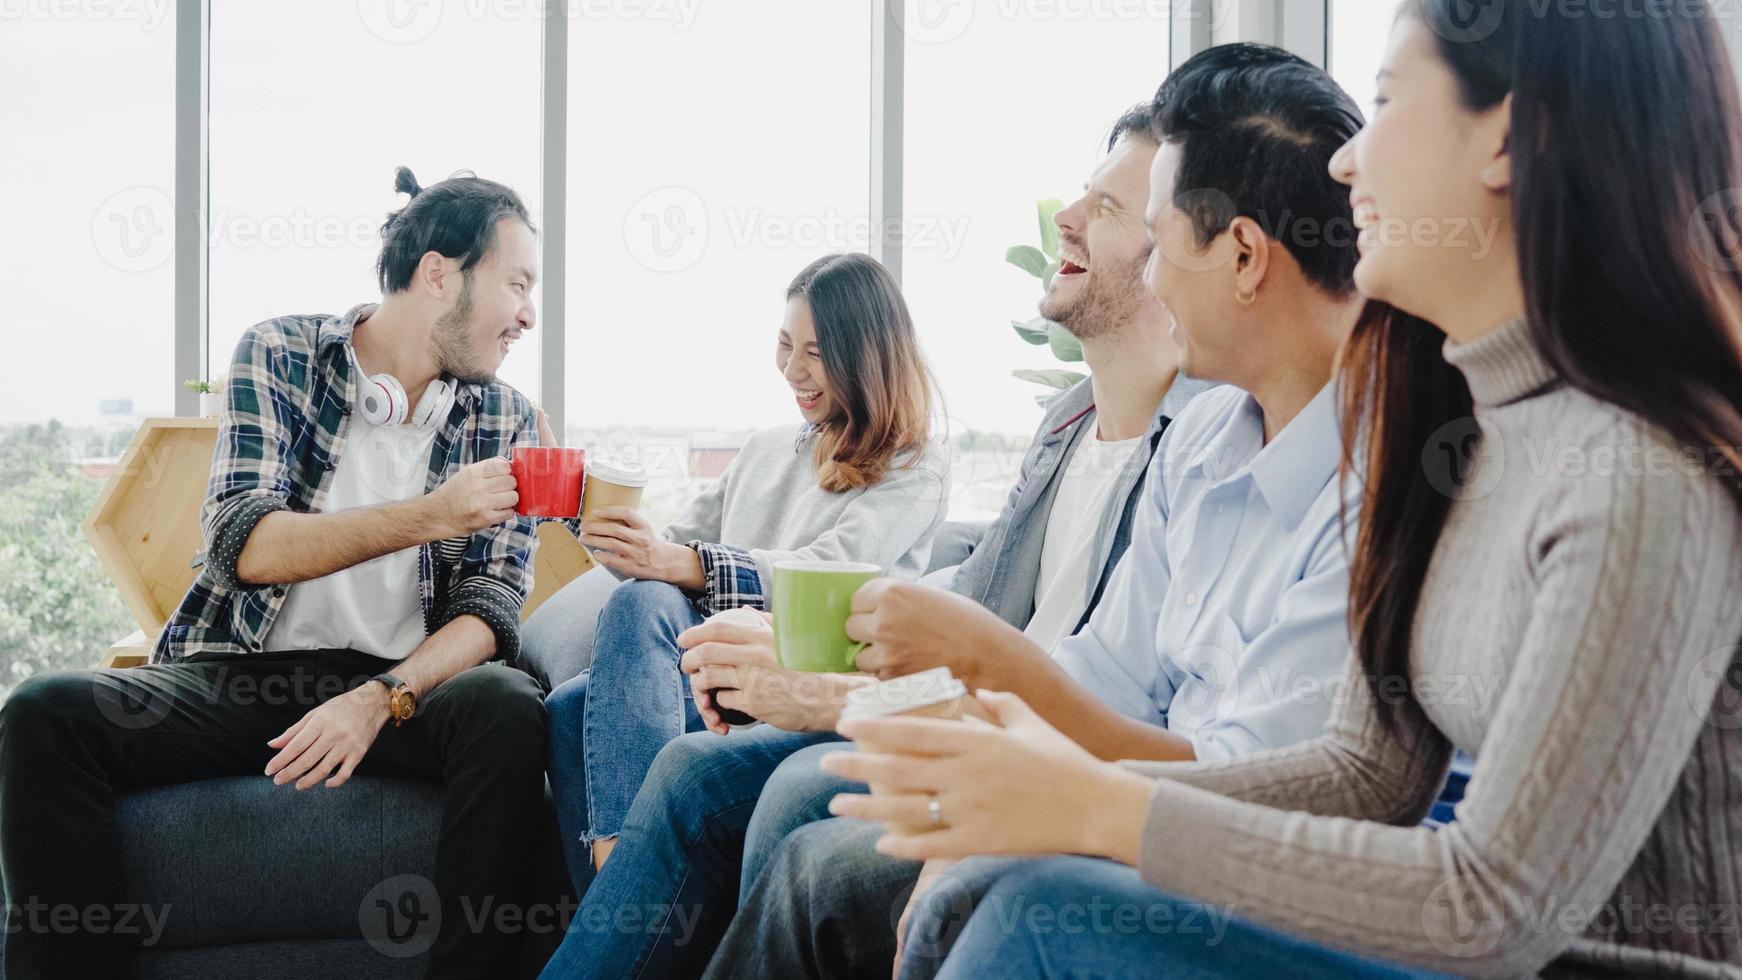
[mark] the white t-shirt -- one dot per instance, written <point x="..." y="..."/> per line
<point x="1062" y="590"/>
<point x="372" y="608"/>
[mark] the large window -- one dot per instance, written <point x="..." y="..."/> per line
<point x="87" y="167"/>
<point x="87" y="173"/>
<point x="1360" y="30"/>
<point x="712" y="155"/>
<point x="1006" y="106"/>
<point x="710" y="159"/>
<point x="313" y="105"/>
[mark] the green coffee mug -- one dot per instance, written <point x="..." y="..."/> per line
<point x="812" y="600"/>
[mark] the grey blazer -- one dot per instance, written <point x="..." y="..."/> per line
<point x="1001" y="569"/>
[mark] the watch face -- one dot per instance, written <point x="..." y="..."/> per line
<point x="404" y="703"/>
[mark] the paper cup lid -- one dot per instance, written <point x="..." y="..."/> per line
<point x="903" y="694"/>
<point x="623" y="474"/>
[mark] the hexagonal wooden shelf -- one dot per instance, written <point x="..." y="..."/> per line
<point x="145" y="526"/>
<point x="560" y="559"/>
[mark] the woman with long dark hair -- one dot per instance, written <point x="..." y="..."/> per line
<point x="859" y="479"/>
<point x="1547" y="571"/>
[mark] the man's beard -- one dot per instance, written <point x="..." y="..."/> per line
<point x="450" y="339"/>
<point x="1113" y="298"/>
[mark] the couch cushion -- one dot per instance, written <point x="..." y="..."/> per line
<point x="240" y="860"/>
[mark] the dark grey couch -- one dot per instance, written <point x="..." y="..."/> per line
<point x="257" y="881"/>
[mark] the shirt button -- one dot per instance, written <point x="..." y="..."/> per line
<point x="1191" y="598"/>
<point x="277" y="590"/>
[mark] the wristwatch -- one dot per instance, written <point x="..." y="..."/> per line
<point x="401" y="702"/>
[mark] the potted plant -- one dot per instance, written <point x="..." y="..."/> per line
<point x="211" y="395"/>
<point x="1043" y="263"/>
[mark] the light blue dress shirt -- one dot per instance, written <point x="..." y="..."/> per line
<point x="1226" y="619"/>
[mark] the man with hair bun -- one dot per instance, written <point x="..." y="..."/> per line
<point x="363" y="555"/>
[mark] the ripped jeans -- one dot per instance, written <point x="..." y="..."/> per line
<point x="608" y="724"/>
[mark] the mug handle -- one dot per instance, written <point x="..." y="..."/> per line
<point x="853" y="656"/>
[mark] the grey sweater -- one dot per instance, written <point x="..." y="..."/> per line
<point x="769" y="504"/>
<point x="1578" y="634"/>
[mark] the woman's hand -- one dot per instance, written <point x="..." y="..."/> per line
<point x="620" y="539"/>
<point x="731" y="664"/>
<point x="986" y="779"/>
<point x="908" y="627"/>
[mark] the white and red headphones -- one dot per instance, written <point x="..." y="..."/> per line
<point x="382" y="400"/>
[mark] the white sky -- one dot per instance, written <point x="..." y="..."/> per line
<point x="737" y="128"/>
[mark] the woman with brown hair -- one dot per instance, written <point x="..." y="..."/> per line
<point x="1546" y="573"/>
<point x="859" y="479"/>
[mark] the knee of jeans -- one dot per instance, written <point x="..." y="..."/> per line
<point x="797" y="793"/>
<point x="566" y="706"/>
<point x="677" y="783"/>
<point x="638" y="604"/>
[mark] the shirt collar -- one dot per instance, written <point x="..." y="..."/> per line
<point x="334" y="337"/>
<point x="1293" y="468"/>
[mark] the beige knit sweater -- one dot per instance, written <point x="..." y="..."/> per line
<point x="1578" y="634"/>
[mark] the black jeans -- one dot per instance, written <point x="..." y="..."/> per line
<point x="72" y="742"/>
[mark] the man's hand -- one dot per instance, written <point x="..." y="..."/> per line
<point x="620" y="539"/>
<point x="737" y="636"/>
<point x="908" y="627"/>
<point x="334" y="736"/>
<point x="480" y="495"/>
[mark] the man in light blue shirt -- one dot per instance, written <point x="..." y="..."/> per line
<point x="1229" y="611"/>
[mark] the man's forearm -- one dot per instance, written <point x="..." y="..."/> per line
<point x="286" y="547"/>
<point x="830" y="697"/>
<point x="1082" y="717"/>
<point x="461" y="645"/>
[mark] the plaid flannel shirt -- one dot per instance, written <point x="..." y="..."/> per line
<point x="284" y="426"/>
<point x="732" y="579"/>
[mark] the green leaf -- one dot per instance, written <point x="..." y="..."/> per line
<point x="1054" y="378"/>
<point x="1065" y="346"/>
<point x="1027" y="258"/>
<point x="1052" y="269"/>
<point x="1035" y="331"/>
<point x="1049" y="231"/>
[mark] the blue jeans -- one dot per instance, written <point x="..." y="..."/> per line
<point x="1084" y="917"/>
<point x="797" y="793"/>
<point x="659" y="906"/>
<point x="607" y="725"/>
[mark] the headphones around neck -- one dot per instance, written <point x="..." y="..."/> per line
<point x="383" y="401"/>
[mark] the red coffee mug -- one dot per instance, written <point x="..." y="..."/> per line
<point x="548" y="480"/>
